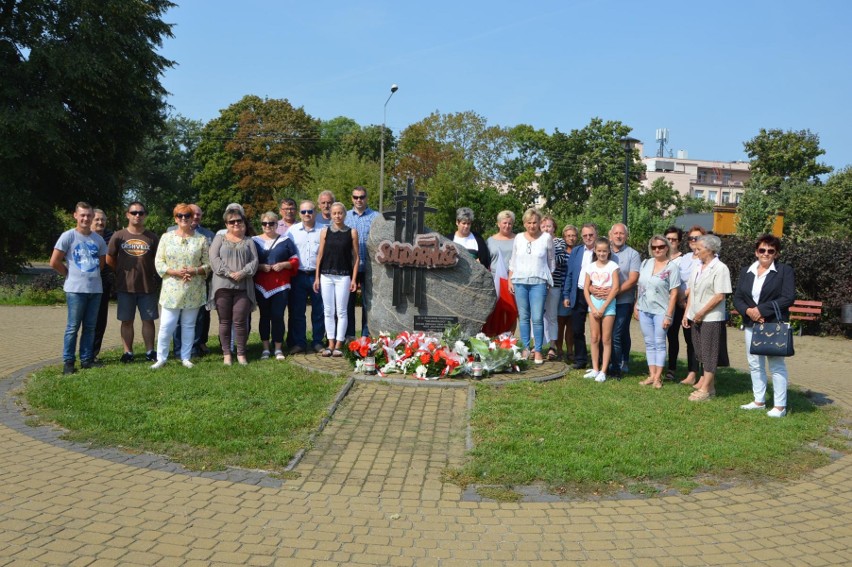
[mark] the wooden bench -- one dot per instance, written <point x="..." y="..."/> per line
<point x="803" y="310"/>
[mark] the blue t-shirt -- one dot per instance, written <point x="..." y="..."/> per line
<point x="82" y="253"/>
<point x="628" y="261"/>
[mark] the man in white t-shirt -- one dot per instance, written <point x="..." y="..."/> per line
<point x="84" y="251"/>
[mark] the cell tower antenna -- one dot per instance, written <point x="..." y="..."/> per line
<point x="662" y="138"/>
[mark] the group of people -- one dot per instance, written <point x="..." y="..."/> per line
<point x="179" y="276"/>
<point x="557" y="284"/>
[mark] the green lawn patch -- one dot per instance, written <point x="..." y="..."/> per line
<point x="581" y="437"/>
<point x="206" y="418"/>
<point x="24" y="289"/>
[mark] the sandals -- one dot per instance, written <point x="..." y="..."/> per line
<point x="337" y="353"/>
<point x="670" y="375"/>
<point x="264" y="355"/>
<point x="326" y="353"/>
<point x="647" y="382"/>
<point x="700" y="396"/>
<point x="551" y="354"/>
<point x="658" y="384"/>
<point x="279" y="355"/>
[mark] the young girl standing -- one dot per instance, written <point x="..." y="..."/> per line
<point x="602" y="273"/>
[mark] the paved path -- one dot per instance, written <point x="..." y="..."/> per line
<point x="370" y="494"/>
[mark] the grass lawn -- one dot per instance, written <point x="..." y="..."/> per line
<point x="205" y="418"/>
<point x="25" y="289"/>
<point x="577" y="436"/>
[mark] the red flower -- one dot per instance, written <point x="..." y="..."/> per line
<point x="424" y="358"/>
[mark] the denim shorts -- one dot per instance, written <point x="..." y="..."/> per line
<point x="610" y="310"/>
<point x="128" y="302"/>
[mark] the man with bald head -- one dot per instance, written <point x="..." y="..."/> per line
<point x="306" y="236"/>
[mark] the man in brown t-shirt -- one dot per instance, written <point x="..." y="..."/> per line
<point x="131" y="255"/>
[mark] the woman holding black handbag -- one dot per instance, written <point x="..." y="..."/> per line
<point x="765" y="289"/>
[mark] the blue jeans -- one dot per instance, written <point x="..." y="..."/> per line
<point x="655" y="337"/>
<point x="302" y="287"/>
<point x="530" y="299"/>
<point x="82" y="310"/>
<point x="620" y="337"/>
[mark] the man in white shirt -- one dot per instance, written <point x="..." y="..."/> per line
<point x="306" y="237"/>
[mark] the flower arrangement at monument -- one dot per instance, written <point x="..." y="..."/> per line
<point x="429" y="357"/>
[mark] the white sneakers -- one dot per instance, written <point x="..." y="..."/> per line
<point x="158" y="364"/>
<point x="187" y="363"/>
<point x="601" y="377"/>
<point x="771" y="413"/>
<point x="590" y="373"/>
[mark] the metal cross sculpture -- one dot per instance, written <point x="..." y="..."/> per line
<point x="408" y="218"/>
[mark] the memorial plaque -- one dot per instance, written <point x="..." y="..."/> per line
<point x="434" y="323"/>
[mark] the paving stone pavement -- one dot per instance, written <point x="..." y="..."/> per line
<point x="370" y="494"/>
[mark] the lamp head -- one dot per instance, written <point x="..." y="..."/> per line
<point x="627" y="142"/>
<point x="394" y="88"/>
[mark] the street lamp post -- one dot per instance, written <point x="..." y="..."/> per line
<point x="627" y="142"/>
<point x="394" y="88"/>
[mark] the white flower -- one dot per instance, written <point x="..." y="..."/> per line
<point x="482" y="337"/>
<point x="492" y="346"/>
<point x="461" y="349"/>
<point x="420" y="371"/>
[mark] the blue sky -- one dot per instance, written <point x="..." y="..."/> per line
<point x="713" y="73"/>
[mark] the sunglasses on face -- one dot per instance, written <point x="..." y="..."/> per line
<point x="235" y="221"/>
<point x="659" y="247"/>
<point x="183" y="216"/>
<point x="136" y="213"/>
<point x="307" y="211"/>
<point x="268" y="223"/>
<point x="769" y="251"/>
<point x="693" y="239"/>
<point x="359" y="197"/>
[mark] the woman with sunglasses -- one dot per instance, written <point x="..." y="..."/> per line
<point x="764" y="283"/>
<point x="234" y="260"/>
<point x="278" y="260"/>
<point x="183" y="262"/>
<point x="659" y="280"/>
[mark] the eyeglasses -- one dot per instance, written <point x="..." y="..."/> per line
<point x="588" y="236"/>
<point x="136" y="213"/>
<point x="307" y="211"/>
<point x="359" y="197"/>
<point x="269" y="223"/>
<point x="659" y="247"/>
<point x="235" y="221"/>
<point x="693" y="238"/>
<point x="769" y="251"/>
<point x="183" y="216"/>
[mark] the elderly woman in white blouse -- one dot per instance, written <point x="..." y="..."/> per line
<point x="533" y="261"/>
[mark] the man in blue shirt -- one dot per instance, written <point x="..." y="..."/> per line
<point x="360" y="217"/>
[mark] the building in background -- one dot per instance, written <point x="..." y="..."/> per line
<point x="719" y="182"/>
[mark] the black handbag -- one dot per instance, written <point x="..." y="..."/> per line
<point x="772" y="339"/>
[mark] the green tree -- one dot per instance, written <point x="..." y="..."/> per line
<point x="756" y="210"/>
<point x="585" y="170"/>
<point x="818" y="210"/>
<point x="786" y="155"/>
<point x="455" y="185"/>
<point x="253" y="153"/>
<point x="340" y="173"/>
<point x="161" y="176"/>
<point x="334" y="131"/>
<point x="80" y="92"/>
<point x="522" y="168"/>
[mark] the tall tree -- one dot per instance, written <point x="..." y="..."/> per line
<point x="161" y="176"/>
<point x="340" y="173"/>
<point x="80" y="92"/>
<point x="756" y="210"/>
<point x="523" y="166"/>
<point x="588" y="164"/>
<point x="254" y="152"/>
<point x="786" y="155"/>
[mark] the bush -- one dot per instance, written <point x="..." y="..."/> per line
<point x="44" y="289"/>
<point x="823" y="268"/>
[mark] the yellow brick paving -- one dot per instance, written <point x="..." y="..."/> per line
<point x="370" y="494"/>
